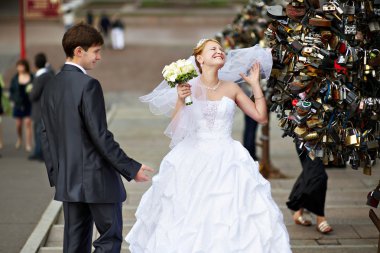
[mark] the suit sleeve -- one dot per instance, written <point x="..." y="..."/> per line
<point x="38" y="86"/>
<point x="51" y="171"/>
<point x="47" y="147"/>
<point x="94" y="116"/>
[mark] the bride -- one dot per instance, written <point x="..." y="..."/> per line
<point x="209" y="196"/>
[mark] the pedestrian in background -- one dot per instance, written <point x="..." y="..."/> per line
<point x="89" y="17"/>
<point x="250" y="130"/>
<point x="68" y="18"/>
<point x="104" y="27"/>
<point x="22" y="107"/>
<point x="42" y="78"/>
<point x="309" y="192"/>
<point x="117" y="35"/>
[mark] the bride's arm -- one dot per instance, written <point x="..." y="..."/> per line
<point x="256" y="110"/>
<point x="183" y="91"/>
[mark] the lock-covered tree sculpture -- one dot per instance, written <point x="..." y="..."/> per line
<point x="326" y="78"/>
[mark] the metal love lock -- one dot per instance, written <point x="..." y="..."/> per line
<point x="367" y="168"/>
<point x="376" y="11"/>
<point x="351" y="136"/>
<point x="374" y="26"/>
<point x="371" y="142"/>
<point x="355" y="160"/>
<point x="337" y="7"/>
<point x="349" y="8"/>
<point x="349" y="27"/>
<point x="329" y="7"/>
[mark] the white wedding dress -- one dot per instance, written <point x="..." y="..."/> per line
<point x="209" y="196"/>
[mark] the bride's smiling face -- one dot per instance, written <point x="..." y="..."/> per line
<point x="212" y="55"/>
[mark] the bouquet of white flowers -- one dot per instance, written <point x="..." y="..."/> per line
<point x="178" y="72"/>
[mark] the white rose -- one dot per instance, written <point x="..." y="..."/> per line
<point x="172" y="78"/>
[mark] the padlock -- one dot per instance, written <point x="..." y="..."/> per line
<point x="325" y="158"/>
<point x="371" y="200"/>
<point x="336" y="92"/>
<point x="367" y="168"/>
<point x="329" y="7"/>
<point x="349" y="8"/>
<point x="282" y="122"/>
<point x="337" y="7"/>
<point x="354" y="160"/>
<point x="306" y="51"/>
<point x="371" y="142"/>
<point x="314" y="121"/>
<point x="374" y="26"/>
<point x="319" y="152"/>
<point x="342" y="60"/>
<point x="351" y="97"/>
<point x="300" y="131"/>
<point x="351" y="136"/>
<point x="334" y="132"/>
<point x="350" y="29"/>
<point x="311" y="136"/>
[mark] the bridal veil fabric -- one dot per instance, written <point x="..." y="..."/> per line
<point x="162" y="99"/>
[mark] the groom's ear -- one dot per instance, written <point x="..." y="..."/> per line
<point x="78" y="51"/>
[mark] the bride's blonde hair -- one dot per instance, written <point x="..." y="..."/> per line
<point x="199" y="48"/>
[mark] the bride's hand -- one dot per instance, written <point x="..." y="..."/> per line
<point x="183" y="90"/>
<point x="141" y="176"/>
<point x="253" y="77"/>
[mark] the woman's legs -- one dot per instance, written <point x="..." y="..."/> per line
<point x="28" y="134"/>
<point x="309" y="192"/>
<point x="19" y="132"/>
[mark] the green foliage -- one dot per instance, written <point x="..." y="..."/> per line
<point x="183" y="78"/>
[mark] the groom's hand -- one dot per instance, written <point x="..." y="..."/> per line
<point x="141" y="176"/>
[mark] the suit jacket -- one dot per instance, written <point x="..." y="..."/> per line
<point x="35" y="95"/>
<point x="83" y="160"/>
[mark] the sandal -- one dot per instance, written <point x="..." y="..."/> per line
<point x="324" y="227"/>
<point x="301" y="221"/>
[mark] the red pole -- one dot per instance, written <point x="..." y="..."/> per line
<point x="22" y="29"/>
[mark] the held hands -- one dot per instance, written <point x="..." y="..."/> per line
<point x="183" y="90"/>
<point x="253" y="77"/>
<point x="141" y="176"/>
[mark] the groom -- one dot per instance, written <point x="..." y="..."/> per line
<point x="83" y="160"/>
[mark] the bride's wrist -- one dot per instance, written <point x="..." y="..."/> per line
<point x="255" y="83"/>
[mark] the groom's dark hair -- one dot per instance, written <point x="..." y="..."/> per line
<point x="81" y="35"/>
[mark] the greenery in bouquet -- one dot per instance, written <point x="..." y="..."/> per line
<point x="180" y="71"/>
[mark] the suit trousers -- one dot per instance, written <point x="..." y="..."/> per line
<point x="79" y="220"/>
<point x="249" y="136"/>
<point x="37" y="126"/>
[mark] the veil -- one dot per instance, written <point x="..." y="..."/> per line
<point x="162" y="99"/>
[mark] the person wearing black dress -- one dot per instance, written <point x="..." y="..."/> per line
<point x="21" y="82"/>
<point x="309" y="192"/>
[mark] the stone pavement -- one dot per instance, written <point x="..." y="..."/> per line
<point x="24" y="190"/>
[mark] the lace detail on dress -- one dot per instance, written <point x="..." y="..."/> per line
<point x="210" y="112"/>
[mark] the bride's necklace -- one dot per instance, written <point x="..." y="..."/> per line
<point x="211" y="88"/>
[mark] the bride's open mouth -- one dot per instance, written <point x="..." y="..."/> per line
<point x="219" y="56"/>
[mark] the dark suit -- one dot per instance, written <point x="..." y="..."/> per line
<point x="83" y="160"/>
<point x="35" y="95"/>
